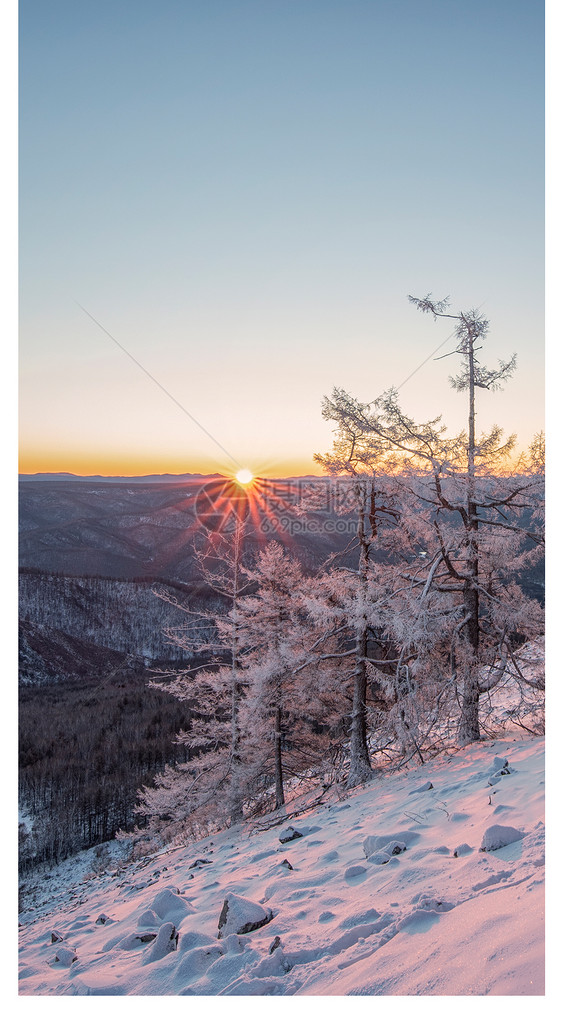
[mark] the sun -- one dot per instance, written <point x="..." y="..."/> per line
<point x="244" y="476"/>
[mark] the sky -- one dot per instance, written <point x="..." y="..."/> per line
<point x="243" y="193"/>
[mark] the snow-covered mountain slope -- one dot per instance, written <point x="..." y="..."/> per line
<point x="385" y="892"/>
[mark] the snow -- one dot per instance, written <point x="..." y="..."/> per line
<point x="439" y="917"/>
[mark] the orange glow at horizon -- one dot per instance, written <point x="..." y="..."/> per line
<point x="86" y="462"/>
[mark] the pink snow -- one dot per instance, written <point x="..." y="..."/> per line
<point x="426" y="922"/>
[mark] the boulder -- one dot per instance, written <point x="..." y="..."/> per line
<point x="394" y="848"/>
<point x="377" y="842"/>
<point x="497" y="836"/>
<point x="65" y="956"/>
<point x="166" y="941"/>
<point x="239" y="915"/>
<point x="380" y="858"/>
<point x="169" y="905"/>
<point x="132" y="941"/>
<point x="289" y="834"/>
<point x="500" y="767"/>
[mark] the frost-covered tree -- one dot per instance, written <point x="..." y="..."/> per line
<point x="363" y="461"/>
<point x="490" y="507"/>
<point x="257" y="723"/>
<point x="471" y="517"/>
<point x="290" y="663"/>
<point x="210" y="788"/>
<point x="270" y="631"/>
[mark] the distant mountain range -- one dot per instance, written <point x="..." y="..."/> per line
<point x="145" y="527"/>
<point x="92" y="549"/>
<point x="71" y="477"/>
<point x="154" y="477"/>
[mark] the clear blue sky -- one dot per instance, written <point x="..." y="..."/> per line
<point x="243" y="193"/>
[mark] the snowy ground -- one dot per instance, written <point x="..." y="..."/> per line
<point x="350" y="911"/>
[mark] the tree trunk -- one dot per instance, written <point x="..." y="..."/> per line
<point x="359" y="764"/>
<point x="235" y="805"/>
<point x="469" y="725"/>
<point x="279" y="793"/>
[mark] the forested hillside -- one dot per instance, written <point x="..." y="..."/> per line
<point x="78" y="616"/>
<point x="85" y="746"/>
<point x="91" y="730"/>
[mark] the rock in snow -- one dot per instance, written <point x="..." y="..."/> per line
<point x="394" y="848"/>
<point x="500" y="767"/>
<point x="496" y="836"/>
<point x="387" y="843"/>
<point x="288" y="835"/>
<point x="169" y="905"/>
<point x="239" y="915"/>
<point x="166" y="941"/>
<point x="65" y="956"/>
<point x="380" y="858"/>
